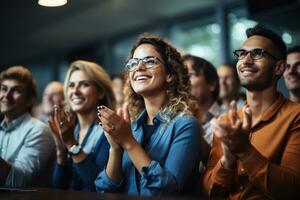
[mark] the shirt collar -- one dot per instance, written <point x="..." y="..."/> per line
<point x="143" y="117"/>
<point x="14" y="123"/>
<point x="215" y="109"/>
<point x="272" y="110"/>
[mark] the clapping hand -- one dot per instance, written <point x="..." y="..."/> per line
<point x="234" y="133"/>
<point x="117" y="126"/>
<point x="61" y="123"/>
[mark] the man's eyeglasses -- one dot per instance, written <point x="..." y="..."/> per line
<point x="255" y="54"/>
<point x="148" y="62"/>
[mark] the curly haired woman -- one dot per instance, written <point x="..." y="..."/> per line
<point x="159" y="152"/>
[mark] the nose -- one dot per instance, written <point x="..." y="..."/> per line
<point x="7" y="93"/>
<point x="248" y="58"/>
<point x="295" y="68"/>
<point x="222" y="80"/>
<point x="75" y="89"/>
<point x="140" y="66"/>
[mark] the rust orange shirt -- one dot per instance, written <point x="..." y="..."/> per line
<point x="272" y="171"/>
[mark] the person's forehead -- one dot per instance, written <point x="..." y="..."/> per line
<point x="53" y="89"/>
<point x="293" y="57"/>
<point x="225" y="70"/>
<point x="259" y="42"/>
<point x="12" y="83"/>
<point x="145" y="50"/>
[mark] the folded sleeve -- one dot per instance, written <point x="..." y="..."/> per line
<point x="105" y="184"/>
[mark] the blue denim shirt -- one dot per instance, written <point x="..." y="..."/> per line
<point x="174" y="148"/>
<point x="25" y="143"/>
<point x="81" y="176"/>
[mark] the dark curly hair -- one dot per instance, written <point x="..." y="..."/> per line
<point x="177" y="89"/>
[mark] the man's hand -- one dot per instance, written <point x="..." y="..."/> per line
<point x="234" y="134"/>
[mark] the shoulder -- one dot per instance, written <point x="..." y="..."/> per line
<point x="35" y="126"/>
<point x="291" y="111"/>
<point x="182" y="119"/>
<point x="292" y="107"/>
<point x="185" y="122"/>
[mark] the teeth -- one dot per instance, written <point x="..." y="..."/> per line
<point x="77" y="100"/>
<point x="139" y="78"/>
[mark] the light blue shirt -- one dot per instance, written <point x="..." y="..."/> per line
<point x="25" y="143"/>
<point x="174" y="147"/>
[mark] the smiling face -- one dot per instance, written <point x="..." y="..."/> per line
<point x="292" y="72"/>
<point x="200" y="89"/>
<point x="229" y="85"/>
<point x="83" y="95"/>
<point x="53" y="95"/>
<point x="151" y="81"/>
<point x="13" y="98"/>
<point x="257" y="75"/>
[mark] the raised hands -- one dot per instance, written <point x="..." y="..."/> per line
<point x="234" y="133"/>
<point x="117" y="126"/>
<point x="61" y="123"/>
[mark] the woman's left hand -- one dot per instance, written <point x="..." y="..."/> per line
<point x="117" y="125"/>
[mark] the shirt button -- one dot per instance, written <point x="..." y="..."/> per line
<point x="241" y="187"/>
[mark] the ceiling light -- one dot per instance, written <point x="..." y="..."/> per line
<point x="52" y="3"/>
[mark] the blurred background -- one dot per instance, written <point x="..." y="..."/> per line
<point x="46" y="39"/>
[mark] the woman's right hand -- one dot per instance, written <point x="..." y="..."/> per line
<point x="64" y="124"/>
<point x="61" y="152"/>
<point x="113" y="144"/>
<point x="55" y="132"/>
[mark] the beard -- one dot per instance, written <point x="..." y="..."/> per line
<point x="259" y="84"/>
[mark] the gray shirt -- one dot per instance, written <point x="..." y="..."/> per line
<point x="213" y="113"/>
<point x="25" y="143"/>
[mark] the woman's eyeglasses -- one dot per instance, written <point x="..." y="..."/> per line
<point x="148" y="62"/>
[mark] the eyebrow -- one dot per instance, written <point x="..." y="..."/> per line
<point x="294" y="64"/>
<point x="13" y="87"/>
<point x="86" y="80"/>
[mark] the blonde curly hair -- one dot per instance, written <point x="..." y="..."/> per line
<point x="177" y="89"/>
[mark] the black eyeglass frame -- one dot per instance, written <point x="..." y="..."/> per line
<point x="262" y="52"/>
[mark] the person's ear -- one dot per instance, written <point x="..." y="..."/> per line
<point x="101" y="95"/>
<point x="169" y="78"/>
<point x="280" y="67"/>
<point x="30" y="102"/>
<point x="212" y="86"/>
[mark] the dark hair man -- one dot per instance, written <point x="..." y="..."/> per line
<point x="292" y="73"/>
<point x="255" y="152"/>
